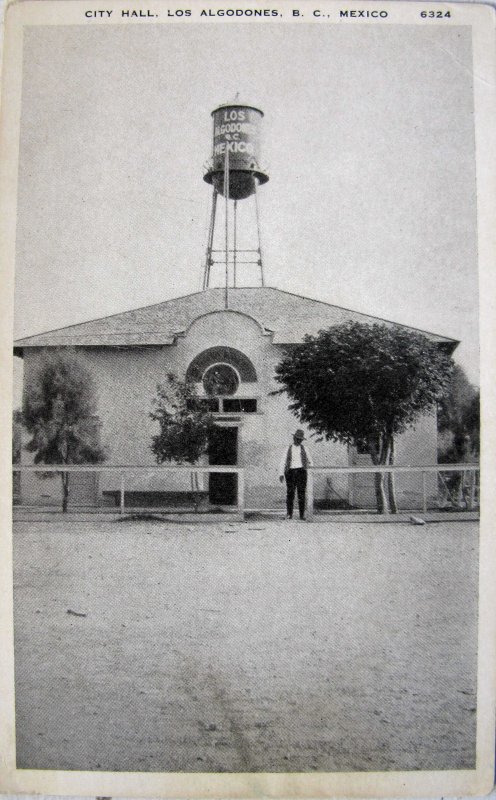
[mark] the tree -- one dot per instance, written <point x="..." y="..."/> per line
<point x="459" y="420"/>
<point x="16" y="452"/>
<point x="16" y="436"/>
<point x="459" y="435"/>
<point x="363" y="385"/>
<point x="186" y="425"/>
<point x="59" y="411"/>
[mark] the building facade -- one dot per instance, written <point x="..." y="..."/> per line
<point x="231" y="355"/>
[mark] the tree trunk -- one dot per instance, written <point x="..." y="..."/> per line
<point x="379" y="452"/>
<point x="65" y="491"/>
<point x="195" y="488"/>
<point x="390" y="480"/>
<point x="380" y="494"/>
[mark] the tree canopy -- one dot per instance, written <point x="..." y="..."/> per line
<point x="459" y="419"/>
<point x="184" y="420"/>
<point x="364" y="384"/>
<point x="16" y="436"/>
<point x="185" y="426"/>
<point x="59" y="411"/>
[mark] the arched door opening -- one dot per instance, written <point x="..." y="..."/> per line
<point x="224" y="376"/>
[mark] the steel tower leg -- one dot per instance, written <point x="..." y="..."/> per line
<point x="210" y="241"/>
<point x="257" y="213"/>
<point x="234" y="241"/>
<point x="226" y="195"/>
<point x="224" y="254"/>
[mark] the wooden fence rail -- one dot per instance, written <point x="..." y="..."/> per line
<point x="125" y="470"/>
<point x="424" y="469"/>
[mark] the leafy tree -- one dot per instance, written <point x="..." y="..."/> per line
<point x="459" y="420"/>
<point x="471" y="419"/>
<point x="59" y="411"/>
<point x="185" y="423"/>
<point x="16" y="452"/>
<point x="16" y="436"/>
<point x="459" y="435"/>
<point x="363" y="385"/>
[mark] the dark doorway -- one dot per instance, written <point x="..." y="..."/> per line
<point x="223" y="450"/>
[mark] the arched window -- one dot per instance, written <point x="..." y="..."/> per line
<point x="220" y="379"/>
<point x="225" y="356"/>
<point x="223" y="371"/>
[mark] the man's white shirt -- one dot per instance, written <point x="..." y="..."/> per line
<point x="296" y="461"/>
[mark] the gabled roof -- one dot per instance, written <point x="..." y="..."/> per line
<point x="287" y="316"/>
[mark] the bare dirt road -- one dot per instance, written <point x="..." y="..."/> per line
<point x="262" y="646"/>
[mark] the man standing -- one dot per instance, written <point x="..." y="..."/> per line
<point x="294" y="464"/>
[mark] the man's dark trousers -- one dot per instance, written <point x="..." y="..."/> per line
<point x="296" y="480"/>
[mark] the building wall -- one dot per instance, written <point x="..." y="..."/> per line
<point x="126" y="381"/>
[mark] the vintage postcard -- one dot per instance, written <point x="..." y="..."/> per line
<point x="247" y="331"/>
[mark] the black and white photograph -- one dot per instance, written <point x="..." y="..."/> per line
<point x="247" y="248"/>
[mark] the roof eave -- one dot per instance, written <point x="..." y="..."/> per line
<point x="449" y="345"/>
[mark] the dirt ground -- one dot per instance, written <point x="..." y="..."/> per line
<point x="256" y="646"/>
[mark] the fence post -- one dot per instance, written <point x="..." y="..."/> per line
<point x="391" y="479"/>
<point x="471" y="496"/>
<point x="241" y="492"/>
<point x="309" y="512"/>
<point x="424" y="492"/>
<point x="121" y="511"/>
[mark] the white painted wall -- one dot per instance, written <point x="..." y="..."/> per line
<point x="126" y="381"/>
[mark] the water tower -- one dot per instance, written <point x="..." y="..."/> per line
<point x="234" y="172"/>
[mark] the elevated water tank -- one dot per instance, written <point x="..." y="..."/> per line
<point x="237" y="128"/>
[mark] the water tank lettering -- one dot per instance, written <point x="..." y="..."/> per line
<point x="234" y="147"/>
<point x="235" y="127"/>
<point x="233" y="114"/>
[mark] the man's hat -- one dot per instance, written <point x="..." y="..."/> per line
<point x="299" y="434"/>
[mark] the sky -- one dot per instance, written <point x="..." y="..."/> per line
<point x="368" y="140"/>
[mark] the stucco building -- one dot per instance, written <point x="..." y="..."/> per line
<point x="233" y="353"/>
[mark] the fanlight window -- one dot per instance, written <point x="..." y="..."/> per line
<point x="224" y="373"/>
<point x="227" y="356"/>
<point x="220" y="379"/>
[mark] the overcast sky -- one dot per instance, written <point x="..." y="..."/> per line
<point x="368" y="137"/>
